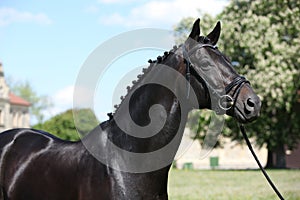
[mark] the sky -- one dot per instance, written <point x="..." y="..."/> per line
<point x="47" y="42"/>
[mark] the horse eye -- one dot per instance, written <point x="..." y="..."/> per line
<point x="205" y="64"/>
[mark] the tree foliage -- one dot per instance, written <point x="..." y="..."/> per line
<point x="263" y="39"/>
<point x="63" y="126"/>
<point x="39" y="103"/>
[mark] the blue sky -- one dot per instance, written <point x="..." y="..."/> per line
<point x="46" y="42"/>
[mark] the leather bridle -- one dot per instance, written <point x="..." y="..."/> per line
<point x="237" y="83"/>
<point x="225" y="101"/>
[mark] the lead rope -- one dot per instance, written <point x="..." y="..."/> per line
<point x="242" y="128"/>
<point x="238" y="82"/>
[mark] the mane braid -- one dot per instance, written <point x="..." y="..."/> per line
<point x="140" y="77"/>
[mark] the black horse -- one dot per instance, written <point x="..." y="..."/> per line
<point x="34" y="165"/>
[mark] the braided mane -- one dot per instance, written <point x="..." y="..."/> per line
<point x="145" y="71"/>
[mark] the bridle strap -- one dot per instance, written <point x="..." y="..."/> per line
<point x="187" y="71"/>
<point x="199" y="46"/>
<point x="237" y="82"/>
<point x="186" y="55"/>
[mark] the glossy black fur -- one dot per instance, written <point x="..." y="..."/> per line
<point x="35" y="165"/>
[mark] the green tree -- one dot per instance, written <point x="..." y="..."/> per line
<point x="263" y="39"/>
<point x="63" y="126"/>
<point x="39" y="103"/>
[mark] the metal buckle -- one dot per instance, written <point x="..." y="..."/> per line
<point x="225" y="102"/>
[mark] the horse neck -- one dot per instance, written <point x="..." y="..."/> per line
<point x="140" y="103"/>
<point x="135" y="111"/>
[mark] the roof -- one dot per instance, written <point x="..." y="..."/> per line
<point x="15" y="100"/>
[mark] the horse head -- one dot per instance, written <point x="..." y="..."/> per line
<point x="208" y="68"/>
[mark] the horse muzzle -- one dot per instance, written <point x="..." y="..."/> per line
<point x="248" y="106"/>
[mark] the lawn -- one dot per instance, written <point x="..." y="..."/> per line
<point x="233" y="185"/>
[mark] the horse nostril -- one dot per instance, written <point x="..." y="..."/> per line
<point x="250" y="102"/>
<point x="249" y="106"/>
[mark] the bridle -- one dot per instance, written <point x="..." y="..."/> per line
<point x="237" y="83"/>
<point x="225" y="101"/>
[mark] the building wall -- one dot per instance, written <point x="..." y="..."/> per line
<point x="11" y="115"/>
<point x="231" y="156"/>
<point x="293" y="158"/>
<point x="5" y="114"/>
<point x="18" y="117"/>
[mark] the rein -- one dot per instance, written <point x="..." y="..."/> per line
<point x="242" y="128"/>
<point x="237" y="83"/>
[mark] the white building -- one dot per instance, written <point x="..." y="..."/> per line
<point x="14" y="111"/>
<point x="232" y="156"/>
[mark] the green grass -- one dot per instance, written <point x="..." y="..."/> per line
<point x="233" y="185"/>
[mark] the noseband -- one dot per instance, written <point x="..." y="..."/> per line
<point x="225" y="101"/>
<point x="237" y="83"/>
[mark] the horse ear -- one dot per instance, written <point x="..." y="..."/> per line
<point x="196" y="30"/>
<point x="215" y="34"/>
